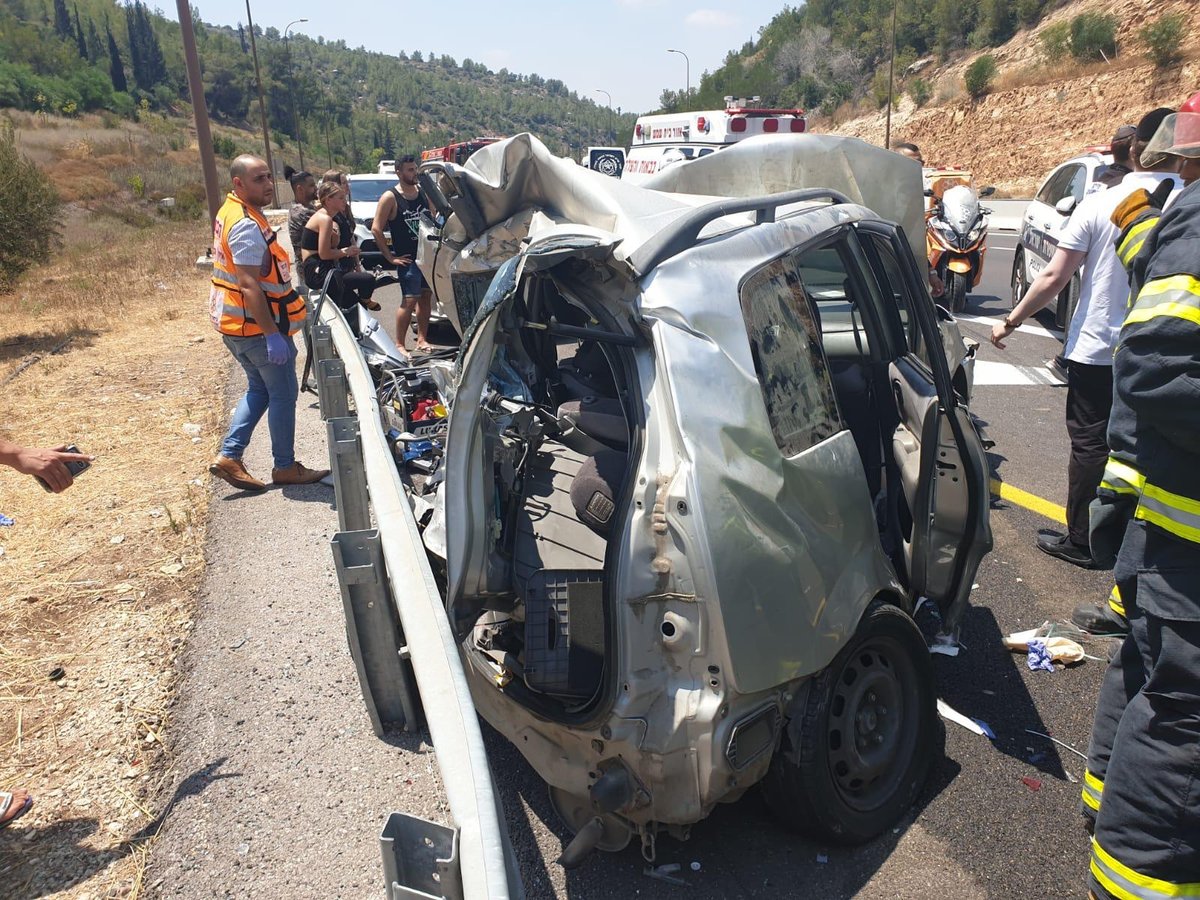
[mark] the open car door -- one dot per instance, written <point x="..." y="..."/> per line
<point x="942" y="467"/>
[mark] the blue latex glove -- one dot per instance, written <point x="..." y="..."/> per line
<point x="277" y="349"/>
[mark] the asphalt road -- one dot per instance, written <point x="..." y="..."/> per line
<point x="282" y="788"/>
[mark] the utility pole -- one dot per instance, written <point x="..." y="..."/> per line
<point x="887" y="131"/>
<point x="208" y="162"/>
<point x="262" y="103"/>
<point x="292" y="78"/>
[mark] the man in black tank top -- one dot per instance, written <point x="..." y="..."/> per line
<point x="399" y="211"/>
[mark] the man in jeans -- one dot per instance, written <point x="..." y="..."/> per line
<point x="1087" y="242"/>
<point x="256" y="310"/>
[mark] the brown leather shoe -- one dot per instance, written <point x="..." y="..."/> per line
<point x="297" y="473"/>
<point x="234" y="471"/>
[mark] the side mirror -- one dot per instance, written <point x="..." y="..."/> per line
<point x="928" y="192"/>
<point x="988" y="191"/>
<point x="1065" y="206"/>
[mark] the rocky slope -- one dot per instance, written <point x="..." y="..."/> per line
<point x="1037" y="117"/>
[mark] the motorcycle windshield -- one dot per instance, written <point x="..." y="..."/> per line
<point x="960" y="208"/>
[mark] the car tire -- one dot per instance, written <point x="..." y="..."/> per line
<point x="860" y="743"/>
<point x="956" y="291"/>
<point x="1020" y="282"/>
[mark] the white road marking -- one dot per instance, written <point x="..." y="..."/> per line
<point x="1026" y="327"/>
<point x="998" y="373"/>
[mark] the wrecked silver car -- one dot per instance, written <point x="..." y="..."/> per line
<point x="703" y="455"/>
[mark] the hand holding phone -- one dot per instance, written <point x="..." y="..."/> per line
<point x="56" y="469"/>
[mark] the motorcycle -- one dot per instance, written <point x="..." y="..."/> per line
<point x="956" y="236"/>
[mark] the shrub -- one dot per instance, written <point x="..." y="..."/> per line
<point x="879" y="88"/>
<point x="1056" y="41"/>
<point x="1162" y="39"/>
<point x="224" y="146"/>
<point x="1093" y="36"/>
<point x="979" y="76"/>
<point x="920" y="91"/>
<point x="29" y="212"/>
<point x="123" y="105"/>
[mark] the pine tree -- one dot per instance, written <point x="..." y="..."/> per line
<point x="116" y="69"/>
<point x="154" y="66"/>
<point x="94" y="47"/>
<point x="80" y="43"/>
<point x="242" y="38"/>
<point x="135" y="48"/>
<point x="62" y="19"/>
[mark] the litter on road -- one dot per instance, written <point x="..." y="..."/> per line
<point x="950" y="714"/>
<point x="1057" y="741"/>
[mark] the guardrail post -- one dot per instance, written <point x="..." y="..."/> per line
<point x="375" y="636"/>
<point x="322" y="339"/>
<point x="420" y="859"/>
<point x="349" y="474"/>
<point x="332" y="392"/>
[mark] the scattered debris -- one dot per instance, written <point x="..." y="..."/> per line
<point x="1055" y="740"/>
<point x="663" y="873"/>
<point x="57" y="673"/>
<point x="1034" y="784"/>
<point x="6" y="521"/>
<point x="116" y="539"/>
<point x="822" y="858"/>
<point x="695" y="866"/>
<point x="192" y="429"/>
<point x="944" y="644"/>
<point x="1044" y="646"/>
<point x="950" y="714"/>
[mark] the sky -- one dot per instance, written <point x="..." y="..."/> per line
<point x="619" y="46"/>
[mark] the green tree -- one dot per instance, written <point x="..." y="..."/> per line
<point x="979" y="76"/>
<point x="920" y="91"/>
<point x="80" y="43"/>
<point x="116" y="68"/>
<point x="62" y="20"/>
<point x="1163" y="39"/>
<point x="29" y="212"/>
<point x="1056" y="41"/>
<point x="95" y="49"/>
<point x="1093" y="36"/>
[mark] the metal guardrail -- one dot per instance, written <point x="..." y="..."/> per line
<point x="396" y="624"/>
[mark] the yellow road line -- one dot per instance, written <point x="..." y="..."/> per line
<point x="1051" y="511"/>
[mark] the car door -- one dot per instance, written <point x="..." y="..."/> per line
<point x="1043" y="221"/>
<point x="940" y="459"/>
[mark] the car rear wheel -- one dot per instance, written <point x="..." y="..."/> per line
<point x="1020" y="282"/>
<point x="956" y="291"/>
<point x="859" y="746"/>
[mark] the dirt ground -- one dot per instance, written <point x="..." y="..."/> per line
<point x="110" y="348"/>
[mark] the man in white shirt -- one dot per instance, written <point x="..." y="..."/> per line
<point x="1088" y="242"/>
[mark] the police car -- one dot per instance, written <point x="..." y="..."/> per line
<point x="666" y="138"/>
<point x="1044" y="220"/>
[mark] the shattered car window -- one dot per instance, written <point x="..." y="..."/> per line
<point x="786" y="348"/>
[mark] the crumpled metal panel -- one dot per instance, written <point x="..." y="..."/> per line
<point x="793" y="548"/>
<point x="885" y="182"/>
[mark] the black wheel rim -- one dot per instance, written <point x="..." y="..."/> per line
<point x="1018" y="280"/>
<point x="874" y="723"/>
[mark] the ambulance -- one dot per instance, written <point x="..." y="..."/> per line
<point x="666" y="138"/>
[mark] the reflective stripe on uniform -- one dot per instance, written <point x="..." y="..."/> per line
<point x="1177" y="296"/>
<point x="1121" y="478"/>
<point x="1175" y="513"/>
<point x="1124" y="883"/>
<point x="1115" y="603"/>
<point x="1132" y="242"/>
<point x="1093" y="790"/>
<point x="229" y="281"/>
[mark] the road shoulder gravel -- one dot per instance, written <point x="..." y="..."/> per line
<point x="280" y="786"/>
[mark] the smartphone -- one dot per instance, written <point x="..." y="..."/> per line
<point x="75" y="467"/>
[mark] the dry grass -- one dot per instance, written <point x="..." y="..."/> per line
<point x="100" y="581"/>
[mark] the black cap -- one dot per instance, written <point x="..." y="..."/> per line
<point x="1124" y="133"/>
<point x="1150" y="122"/>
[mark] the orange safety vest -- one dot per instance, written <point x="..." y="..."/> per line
<point x="227" y="305"/>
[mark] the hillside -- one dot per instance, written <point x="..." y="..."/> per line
<point x="346" y="105"/>
<point x="1037" y="115"/>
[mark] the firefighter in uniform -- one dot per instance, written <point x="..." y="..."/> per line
<point x="1142" y="784"/>
<point x="256" y="310"/>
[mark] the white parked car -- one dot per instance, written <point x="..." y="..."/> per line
<point x="365" y="191"/>
<point x="1046" y="217"/>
